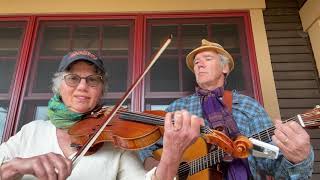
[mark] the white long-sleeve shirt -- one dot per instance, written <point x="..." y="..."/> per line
<point x="39" y="137"/>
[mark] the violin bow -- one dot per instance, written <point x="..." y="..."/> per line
<point x="84" y="149"/>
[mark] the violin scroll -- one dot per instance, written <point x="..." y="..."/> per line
<point x="242" y="146"/>
<point x="221" y="140"/>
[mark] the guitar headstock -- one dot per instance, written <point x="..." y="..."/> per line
<point x="311" y="119"/>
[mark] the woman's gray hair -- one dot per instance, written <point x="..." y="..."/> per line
<point x="58" y="78"/>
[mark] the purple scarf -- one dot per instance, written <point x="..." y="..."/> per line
<point x="219" y="117"/>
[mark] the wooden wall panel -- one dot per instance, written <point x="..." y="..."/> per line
<point x="288" y="33"/>
<point x="292" y="57"/>
<point x="283" y="26"/>
<point x="286" y="41"/>
<point x="293" y="64"/>
<point x="297" y="84"/>
<point x="306" y="75"/>
<point x="300" y="66"/>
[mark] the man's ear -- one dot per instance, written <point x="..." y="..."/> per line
<point x="226" y="69"/>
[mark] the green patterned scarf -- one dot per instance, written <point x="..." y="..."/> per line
<point x="59" y="114"/>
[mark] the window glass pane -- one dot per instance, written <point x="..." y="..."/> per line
<point x="188" y="78"/>
<point x="235" y="79"/>
<point x="32" y="110"/>
<point x="43" y="79"/>
<point x="3" y="116"/>
<point x="86" y="38"/>
<point x="159" y="34"/>
<point x="158" y="107"/>
<point x="160" y="80"/>
<point x="165" y="81"/>
<point x="116" y="41"/>
<point x="11" y="34"/>
<point x="118" y="72"/>
<point x="41" y="112"/>
<point x="227" y="35"/>
<point x="115" y="53"/>
<point x="191" y="34"/>
<point x="55" y="41"/>
<point x="6" y="74"/>
<point x="10" y="38"/>
<point x="158" y="103"/>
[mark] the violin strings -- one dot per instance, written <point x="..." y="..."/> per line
<point x="153" y="119"/>
<point x="144" y="115"/>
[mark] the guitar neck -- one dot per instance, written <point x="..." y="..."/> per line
<point x="265" y="135"/>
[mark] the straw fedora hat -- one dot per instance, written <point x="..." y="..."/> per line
<point x="211" y="46"/>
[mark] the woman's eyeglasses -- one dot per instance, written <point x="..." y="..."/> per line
<point x="73" y="80"/>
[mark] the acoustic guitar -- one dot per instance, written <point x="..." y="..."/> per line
<point x="197" y="161"/>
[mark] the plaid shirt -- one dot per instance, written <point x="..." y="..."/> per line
<point x="251" y="118"/>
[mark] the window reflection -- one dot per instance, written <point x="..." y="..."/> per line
<point x="41" y="113"/>
<point x="3" y="116"/>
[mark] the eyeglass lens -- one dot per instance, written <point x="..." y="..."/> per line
<point x="74" y="80"/>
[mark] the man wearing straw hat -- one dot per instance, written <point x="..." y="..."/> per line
<point x="211" y="64"/>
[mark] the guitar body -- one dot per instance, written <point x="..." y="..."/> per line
<point x="196" y="150"/>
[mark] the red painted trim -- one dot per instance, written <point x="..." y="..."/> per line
<point x="253" y="60"/>
<point x="138" y="65"/>
<point x="34" y="59"/>
<point x="19" y="79"/>
<point x="28" y="61"/>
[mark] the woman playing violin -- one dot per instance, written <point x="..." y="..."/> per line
<point x="41" y="149"/>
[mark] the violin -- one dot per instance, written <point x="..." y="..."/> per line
<point x="125" y="134"/>
<point x="133" y="131"/>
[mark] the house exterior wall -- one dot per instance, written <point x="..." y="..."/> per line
<point x="310" y="19"/>
<point x="113" y="6"/>
<point x="255" y="7"/>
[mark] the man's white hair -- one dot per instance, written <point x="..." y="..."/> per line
<point x="223" y="59"/>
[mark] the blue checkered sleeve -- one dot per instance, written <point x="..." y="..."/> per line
<point x="251" y="118"/>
